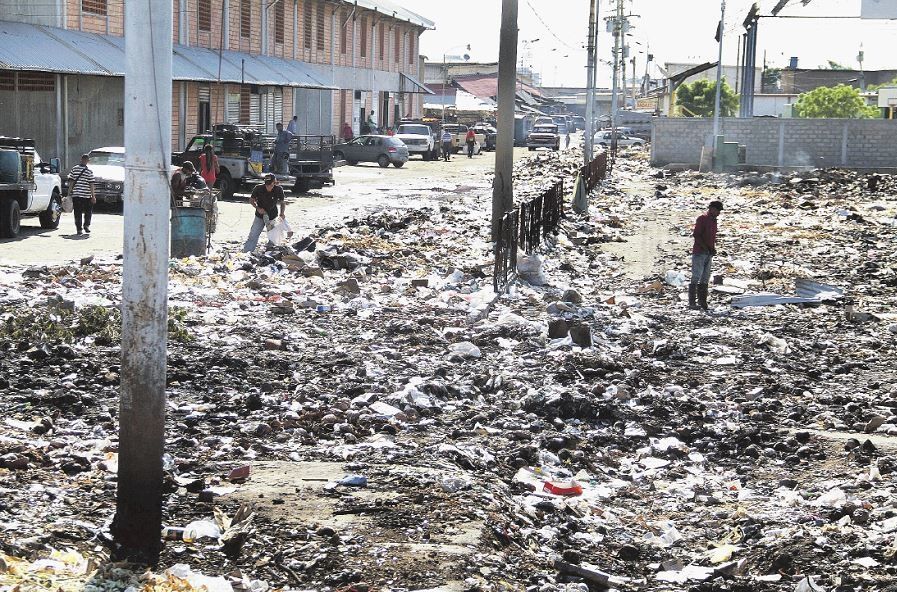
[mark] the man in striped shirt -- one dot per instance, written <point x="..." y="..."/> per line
<point x="81" y="188"/>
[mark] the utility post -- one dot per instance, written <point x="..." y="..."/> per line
<point x="590" y="83"/>
<point x="503" y="185"/>
<point x="138" y="517"/>
<point x="719" y="78"/>
<point x="617" y="21"/>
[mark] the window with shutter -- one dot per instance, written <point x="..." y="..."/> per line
<point x="7" y="80"/>
<point x="364" y="37"/>
<point x="411" y="49"/>
<point x="245" y="18"/>
<point x="306" y="24"/>
<point x="382" y="42"/>
<point x="204" y="15"/>
<point x="343" y="31"/>
<point x="279" y="21"/>
<point x="94" y="7"/>
<point x="398" y="47"/>
<point x="37" y="81"/>
<point x="320" y="24"/>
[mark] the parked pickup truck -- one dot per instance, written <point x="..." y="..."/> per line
<point x="28" y="187"/>
<point x="459" y="137"/>
<point x="244" y="157"/>
<point x="418" y="138"/>
<point x="544" y="135"/>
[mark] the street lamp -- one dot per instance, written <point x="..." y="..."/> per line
<point x="445" y="74"/>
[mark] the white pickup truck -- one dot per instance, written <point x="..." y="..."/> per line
<point x="419" y="139"/>
<point x="28" y="187"/>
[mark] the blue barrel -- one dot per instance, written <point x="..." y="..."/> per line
<point x="188" y="232"/>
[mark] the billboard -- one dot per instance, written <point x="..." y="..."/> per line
<point x="879" y="9"/>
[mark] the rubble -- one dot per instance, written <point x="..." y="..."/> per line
<point x="377" y="424"/>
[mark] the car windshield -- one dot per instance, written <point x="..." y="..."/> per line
<point x="107" y="158"/>
<point x="416" y="130"/>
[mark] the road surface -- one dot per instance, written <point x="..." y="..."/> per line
<point x="358" y="189"/>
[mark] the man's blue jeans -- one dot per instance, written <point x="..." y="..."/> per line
<point x="258" y="225"/>
<point x="700" y="268"/>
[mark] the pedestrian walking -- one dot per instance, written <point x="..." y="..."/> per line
<point x="372" y="123"/>
<point x="267" y="199"/>
<point x="347" y="132"/>
<point x="281" y="164"/>
<point x="567" y="141"/>
<point x="208" y="165"/>
<point x="293" y="126"/>
<point x="446" y="145"/>
<point x="702" y="254"/>
<point x="471" y="140"/>
<point x="81" y="188"/>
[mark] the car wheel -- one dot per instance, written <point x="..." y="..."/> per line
<point x="301" y="186"/>
<point x="398" y="165"/>
<point x="338" y="155"/>
<point x="10" y="218"/>
<point x="383" y="161"/>
<point x="226" y="185"/>
<point x="50" y="217"/>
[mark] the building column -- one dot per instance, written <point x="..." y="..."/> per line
<point x="182" y="116"/>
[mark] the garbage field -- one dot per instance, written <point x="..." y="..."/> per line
<point x="360" y="411"/>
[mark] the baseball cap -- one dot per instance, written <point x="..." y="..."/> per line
<point x="269" y="177"/>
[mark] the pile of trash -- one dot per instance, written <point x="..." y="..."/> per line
<point x="370" y="414"/>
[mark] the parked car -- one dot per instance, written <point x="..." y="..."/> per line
<point x="384" y="150"/>
<point x="579" y="122"/>
<point x="544" y="135"/>
<point x="561" y="122"/>
<point x="108" y="166"/>
<point x="603" y="138"/>
<point x="543" y="119"/>
<point x="28" y="187"/>
<point x="418" y="138"/>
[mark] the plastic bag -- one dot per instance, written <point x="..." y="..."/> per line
<point x="68" y="206"/>
<point x="280" y="232"/>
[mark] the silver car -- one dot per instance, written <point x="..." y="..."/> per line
<point x="384" y="150"/>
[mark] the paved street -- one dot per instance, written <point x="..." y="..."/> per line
<point x="361" y="187"/>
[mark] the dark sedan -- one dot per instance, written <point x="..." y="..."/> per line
<point x="384" y="150"/>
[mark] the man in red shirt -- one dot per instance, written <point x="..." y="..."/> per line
<point x="702" y="254"/>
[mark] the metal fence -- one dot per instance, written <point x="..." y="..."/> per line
<point x="594" y="172"/>
<point x="525" y="228"/>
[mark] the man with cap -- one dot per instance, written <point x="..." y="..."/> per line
<point x="266" y="199"/>
<point x="702" y="254"/>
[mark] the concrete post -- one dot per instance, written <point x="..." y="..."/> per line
<point x="719" y="79"/>
<point x="503" y="185"/>
<point x="138" y="517"/>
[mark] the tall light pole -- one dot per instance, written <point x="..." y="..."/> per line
<point x="503" y="185"/>
<point x="590" y="83"/>
<point x="138" y="514"/>
<point x="719" y="76"/>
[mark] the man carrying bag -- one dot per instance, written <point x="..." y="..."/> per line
<point x="81" y="190"/>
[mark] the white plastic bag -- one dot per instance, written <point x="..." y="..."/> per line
<point x="279" y="232"/>
<point x="68" y="206"/>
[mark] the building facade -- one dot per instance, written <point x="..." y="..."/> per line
<point x="253" y="62"/>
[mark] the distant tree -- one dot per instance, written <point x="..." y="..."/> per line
<point x="770" y="80"/>
<point x="833" y="65"/>
<point x="874" y="87"/>
<point x="697" y="99"/>
<point x="840" y="101"/>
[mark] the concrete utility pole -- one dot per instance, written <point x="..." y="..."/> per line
<point x="138" y="516"/>
<point x="503" y="185"/>
<point x="590" y="83"/>
<point x="614" y="107"/>
<point x="719" y="76"/>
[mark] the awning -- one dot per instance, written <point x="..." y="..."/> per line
<point x="410" y="84"/>
<point x="49" y="49"/>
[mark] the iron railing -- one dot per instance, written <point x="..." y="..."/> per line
<point x="594" y="172"/>
<point x="526" y="228"/>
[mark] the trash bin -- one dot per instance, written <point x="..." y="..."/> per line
<point x="188" y="232"/>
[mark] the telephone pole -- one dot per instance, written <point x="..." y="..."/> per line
<point x="590" y="82"/>
<point x="618" y="28"/>
<point x="719" y="77"/>
<point x="503" y="185"/>
<point x="138" y="516"/>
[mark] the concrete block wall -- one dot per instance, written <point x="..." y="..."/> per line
<point x="860" y="143"/>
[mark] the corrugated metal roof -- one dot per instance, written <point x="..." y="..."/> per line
<point x="27" y="47"/>
<point x="394" y="10"/>
<point x="49" y="49"/>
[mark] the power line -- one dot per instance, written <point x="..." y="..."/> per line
<point x="547" y="28"/>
